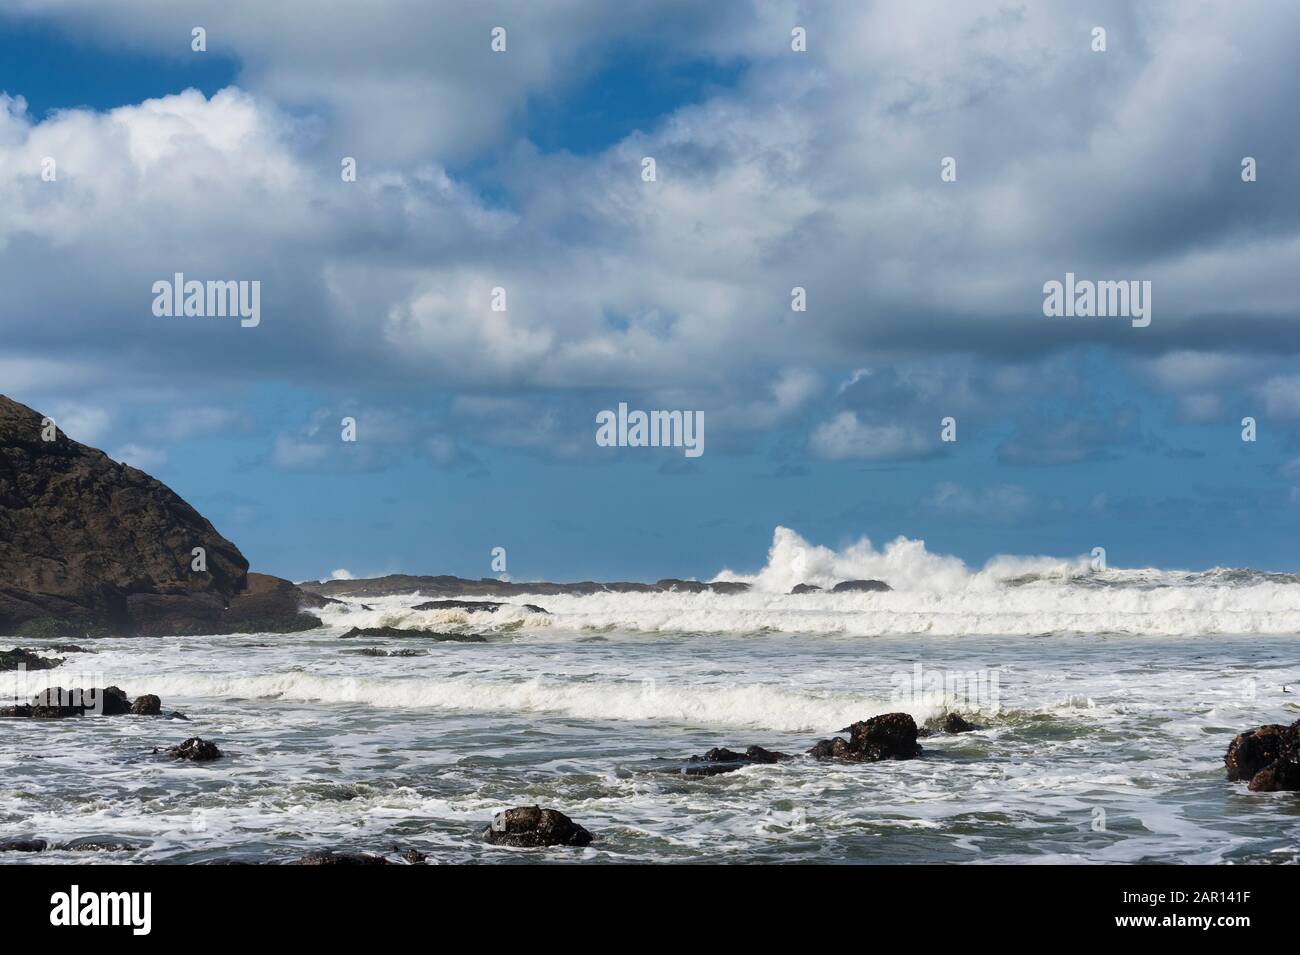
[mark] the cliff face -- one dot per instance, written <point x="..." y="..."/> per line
<point x="90" y="544"/>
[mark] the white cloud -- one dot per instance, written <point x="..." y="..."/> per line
<point x="845" y="437"/>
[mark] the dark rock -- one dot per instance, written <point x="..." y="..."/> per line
<point x="27" y="660"/>
<point x="147" y="705"/>
<point x="860" y="587"/>
<point x="630" y="587"/>
<point x="177" y="715"/>
<point x="412" y="856"/>
<point x="1251" y="751"/>
<point x="423" y="634"/>
<point x="952" y="723"/>
<point x="330" y="857"/>
<point x="805" y="589"/>
<point x="270" y="605"/>
<point x="57" y="703"/>
<point x="682" y="586"/>
<point x="1280" y="776"/>
<point x="70" y="648"/>
<point x="722" y="760"/>
<point x="529" y="827"/>
<point x="473" y="606"/>
<point x="100" y="844"/>
<point x="195" y="750"/>
<point x="24" y="845"/>
<point x="729" y="587"/>
<point x="890" y="736"/>
<point x="380" y="652"/>
<point x="1268" y="756"/>
<point x="91" y="546"/>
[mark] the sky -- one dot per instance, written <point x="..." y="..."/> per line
<point x="775" y="168"/>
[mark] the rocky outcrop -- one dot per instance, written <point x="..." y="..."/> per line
<point x="194" y="750"/>
<point x="423" y="634"/>
<point x="20" y="659"/>
<point x="805" y="589"/>
<point x="57" y="703"/>
<point x="1268" y="756"/>
<point x="147" y="705"/>
<point x="890" y="736"/>
<point x="473" y="606"/>
<point x="91" y="546"/>
<point x="860" y="587"/>
<point x="531" y="827"/>
<point x="722" y="760"/>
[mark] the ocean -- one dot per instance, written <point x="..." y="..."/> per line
<point x="1104" y="702"/>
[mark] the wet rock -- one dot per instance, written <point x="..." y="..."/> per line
<point x="953" y="723"/>
<point x="805" y="589"/>
<point x="70" y="648"/>
<point x="100" y="844"/>
<point x="530" y="827"/>
<point x="147" y="705"/>
<point x="1255" y="749"/>
<point x="18" y="658"/>
<point x="422" y="634"/>
<point x="381" y="652"/>
<point x="24" y="845"/>
<point x="330" y="857"/>
<point x="195" y="750"/>
<point x="890" y="736"/>
<point x="1268" y="756"/>
<point x="860" y="587"/>
<point x="57" y="703"/>
<point x="176" y="715"/>
<point x="474" y="606"/>
<point x="722" y="760"/>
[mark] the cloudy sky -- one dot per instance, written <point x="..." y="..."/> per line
<point x="774" y="168"/>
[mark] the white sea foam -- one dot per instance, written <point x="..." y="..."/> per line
<point x="932" y="594"/>
<point x="762" y="705"/>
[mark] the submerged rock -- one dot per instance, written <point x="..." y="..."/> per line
<point x="24" y="845"/>
<point x="531" y="827"/>
<point x="381" y="652"/>
<point x="18" y="658"/>
<point x="805" y="589"/>
<point x="953" y="723"/>
<point x="422" y="634"/>
<point x="330" y="857"/>
<point x="889" y="736"/>
<point x="195" y="750"/>
<point x="474" y="606"/>
<point x="1268" y="756"/>
<point x="860" y="587"/>
<point x="722" y="760"/>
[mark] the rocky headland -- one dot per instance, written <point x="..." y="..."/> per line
<point x="89" y="546"/>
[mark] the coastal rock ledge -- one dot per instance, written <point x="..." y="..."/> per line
<point x="89" y="546"/>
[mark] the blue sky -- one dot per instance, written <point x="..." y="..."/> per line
<point x="522" y="170"/>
